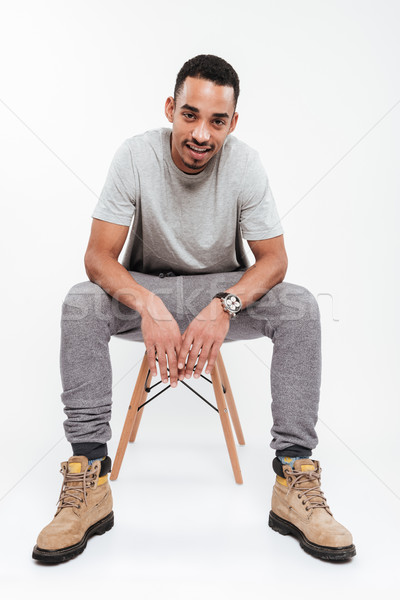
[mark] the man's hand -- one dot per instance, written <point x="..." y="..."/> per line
<point x="204" y="334"/>
<point x="161" y="334"/>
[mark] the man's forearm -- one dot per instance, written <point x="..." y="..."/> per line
<point x="259" y="278"/>
<point x="110" y="275"/>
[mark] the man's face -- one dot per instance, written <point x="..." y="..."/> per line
<point x="201" y="118"/>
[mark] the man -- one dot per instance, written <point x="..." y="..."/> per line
<point x="185" y="286"/>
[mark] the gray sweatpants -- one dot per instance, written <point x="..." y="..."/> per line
<point x="288" y="314"/>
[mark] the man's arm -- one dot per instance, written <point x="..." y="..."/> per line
<point x="208" y="330"/>
<point x="160" y="330"/>
<point x="102" y="266"/>
<point x="268" y="270"/>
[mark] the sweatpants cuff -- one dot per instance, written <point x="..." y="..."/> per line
<point x="90" y="449"/>
<point x="293" y="451"/>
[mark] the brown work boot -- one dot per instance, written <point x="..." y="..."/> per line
<point x="299" y="508"/>
<point x="84" y="509"/>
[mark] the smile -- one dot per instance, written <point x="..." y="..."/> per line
<point x="196" y="151"/>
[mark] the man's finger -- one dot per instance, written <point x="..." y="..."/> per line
<point x="184" y="352"/>
<point x="181" y="370"/>
<point x="194" y="353"/>
<point x="200" y="363"/>
<point x="213" y="357"/>
<point x="177" y="343"/>
<point x="151" y="357"/>
<point x="162" y="364"/>
<point x="173" y="366"/>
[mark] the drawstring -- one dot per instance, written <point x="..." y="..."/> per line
<point x="168" y="274"/>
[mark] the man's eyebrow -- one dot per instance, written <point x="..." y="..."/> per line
<point x="188" y="107"/>
<point x="196" y="110"/>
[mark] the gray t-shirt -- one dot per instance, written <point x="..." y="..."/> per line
<point x="185" y="223"/>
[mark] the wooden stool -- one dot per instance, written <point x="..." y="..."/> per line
<point x="222" y="391"/>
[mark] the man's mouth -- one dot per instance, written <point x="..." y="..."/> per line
<point x="198" y="152"/>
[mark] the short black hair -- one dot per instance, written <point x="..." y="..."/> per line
<point x="210" y="67"/>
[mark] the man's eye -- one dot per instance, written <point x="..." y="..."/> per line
<point x="188" y="115"/>
<point x="219" y="122"/>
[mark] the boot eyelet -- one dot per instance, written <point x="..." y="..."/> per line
<point x="299" y="496"/>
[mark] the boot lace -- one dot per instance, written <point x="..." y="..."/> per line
<point x="74" y="487"/>
<point x="313" y="497"/>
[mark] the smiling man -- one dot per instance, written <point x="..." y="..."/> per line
<point x="189" y="195"/>
<point x="200" y="129"/>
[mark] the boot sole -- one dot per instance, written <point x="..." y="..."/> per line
<point x="324" y="552"/>
<point x="64" y="554"/>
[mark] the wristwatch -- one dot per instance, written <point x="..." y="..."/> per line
<point x="230" y="303"/>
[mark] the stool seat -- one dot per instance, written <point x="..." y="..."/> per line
<point x="224" y="399"/>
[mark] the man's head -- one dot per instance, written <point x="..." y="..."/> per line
<point x="202" y="111"/>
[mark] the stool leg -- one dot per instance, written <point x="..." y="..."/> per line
<point x="130" y="417"/>
<point x="226" y="424"/>
<point x="139" y="414"/>
<point x="230" y="401"/>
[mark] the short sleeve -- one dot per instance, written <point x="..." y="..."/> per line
<point x="259" y="219"/>
<point x="117" y="200"/>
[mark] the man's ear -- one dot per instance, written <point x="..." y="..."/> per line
<point x="169" y="108"/>
<point x="233" y="122"/>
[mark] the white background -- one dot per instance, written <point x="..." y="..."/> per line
<point x="320" y="100"/>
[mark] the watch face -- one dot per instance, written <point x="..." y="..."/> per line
<point x="233" y="303"/>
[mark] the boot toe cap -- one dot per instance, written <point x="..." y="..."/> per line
<point x="336" y="537"/>
<point x="51" y="538"/>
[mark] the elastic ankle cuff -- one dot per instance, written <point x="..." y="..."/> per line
<point x="277" y="467"/>
<point x="294" y="451"/>
<point x="89" y="449"/>
<point x="105" y="466"/>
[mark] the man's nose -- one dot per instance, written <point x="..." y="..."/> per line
<point x="200" y="132"/>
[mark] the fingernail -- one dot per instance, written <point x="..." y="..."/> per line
<point x="173" y="384"/>
<point x="187" y="375"/>
<point x="197" y="375"/>
<point x="180" y="365"/>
